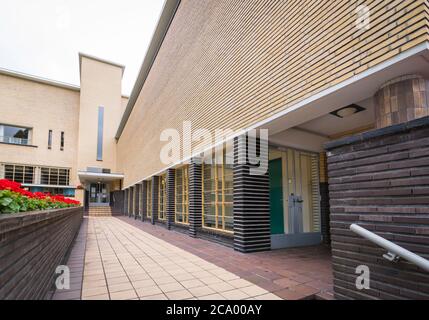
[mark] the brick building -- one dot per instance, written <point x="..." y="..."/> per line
<point x="342" y="88"/>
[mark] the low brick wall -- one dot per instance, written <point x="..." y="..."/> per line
<point x="32" y="245"/>
<point x="380" y="180"/>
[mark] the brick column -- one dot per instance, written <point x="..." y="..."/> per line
<point x="144" y="200"/>
<point x="324" y="199"/>
<point x="251" y="201"/>
<point x="125" y="212"/>
<point x="128" y="202"/>
<point x="170" y="210"/>
<point x="137" y="201"/>
<point x="131" y="206"/>
<point x="400" y="100"/>
<point x="195" y="201"/>
<point x="155" y="186"/>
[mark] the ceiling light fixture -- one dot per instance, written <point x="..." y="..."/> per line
<point x="347" y="111"/>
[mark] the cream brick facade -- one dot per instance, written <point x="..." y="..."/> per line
<point x="44" y="105"/>
<point x="232" y="64"/>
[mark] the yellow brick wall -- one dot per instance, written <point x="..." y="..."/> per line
<point x="230" y="64"/>
<point x="40" y="107"/>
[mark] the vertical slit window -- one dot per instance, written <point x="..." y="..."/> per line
<point x="50" y="139"/>
<point x="62" y="140"/>
<point x="100" y="134"/>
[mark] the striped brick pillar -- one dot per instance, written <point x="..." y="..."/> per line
<point x="324" y="199"/>
<point x="125" y="202"/>
<point x="144" y="200"/>
<point x="155" y="186"/>
<point x="137" y="201"/>
<point x="195" y="202"/>
<point x="251" y="201"/>
<point x="131" y="206"/>
<point x="170" y="210"/>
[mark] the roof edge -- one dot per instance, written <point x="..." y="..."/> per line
<point x="50" y="82"/>
<point x="164" y="22"/>
<point x="85" y="55"/>
<point x="26" y="76"/>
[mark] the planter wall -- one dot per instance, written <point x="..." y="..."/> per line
<point x="32" y="245"/>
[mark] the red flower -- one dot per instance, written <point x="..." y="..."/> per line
<point x="16" y="187"/>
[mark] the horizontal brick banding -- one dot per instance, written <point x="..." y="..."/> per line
<point x="240" y="62"/>
<point x="195" y="198"/>
<point x="154" y="192"/>
<point x="144" y="201"/>
<point x="137" y="192"/>
<point x="171" y="191"/>
<point x="380" y="180"/>
<point x="251" y="203"/>
<point x="32" y="245"/>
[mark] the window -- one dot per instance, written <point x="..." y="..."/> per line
<point x="100" y="134"/>
<point x="54" y="176"/>
<point x="14" y="135"/>
<point x="19" y="173"/>
<point x="217" y="193"/>
<point x="149" y="199"/>
<point x="162" y="198"/>
<point x="50" y="139"/>
<point x="62" y="140"/>
<point x="182" y="195"/>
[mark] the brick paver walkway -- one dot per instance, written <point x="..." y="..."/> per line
<point x="296" y="273"/>
<point x="125" y="262"/>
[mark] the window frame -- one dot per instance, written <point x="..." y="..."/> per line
<point x="149" y="199"/>
<point x="28" y="140"/>
<point x="184" y="201"/>
<point x="12" y="175"/>
<point x="62" y="141"/>
<point x="162" y="203"/>
<point x="223" y="204"/>
<point x="50" y="139"/>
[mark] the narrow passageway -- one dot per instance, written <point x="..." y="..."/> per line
<point x="125" y="262"/>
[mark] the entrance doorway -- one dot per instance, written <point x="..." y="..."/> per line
<point x="294" y="198"/>
<point x="99" y="194"/>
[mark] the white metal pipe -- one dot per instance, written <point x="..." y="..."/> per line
<point x="391" y="247"/>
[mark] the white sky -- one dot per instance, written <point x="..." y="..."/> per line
<point x="43" y="37"/>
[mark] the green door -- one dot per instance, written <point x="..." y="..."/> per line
<point x="276" y="196"/>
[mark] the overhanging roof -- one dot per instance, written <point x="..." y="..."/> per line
<point x="94" y="176"/>
<point x="164" y="22"/>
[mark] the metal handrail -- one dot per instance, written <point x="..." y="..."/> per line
<point x="394" y="252"/>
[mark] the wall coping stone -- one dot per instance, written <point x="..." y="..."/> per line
<point x="13" y="221"/>
<point x="376" y="133"/>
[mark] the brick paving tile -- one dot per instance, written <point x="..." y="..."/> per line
<point x="122" y="258"/>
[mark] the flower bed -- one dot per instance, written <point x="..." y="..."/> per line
<point x="15" y="199"/>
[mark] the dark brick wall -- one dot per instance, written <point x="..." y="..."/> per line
<point x="118" y="202"/>
<point x="144" y="201"/>
<point x="154" y="192"/>
<point x="325" y="213"/>
<point x="32" y="245"/>
<point x="251" y="201"/>
<point x="195" y="200"/>
<point x="171" y="189"/>
<point x="380" y="180"/>
<point x="137" y="191"/>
